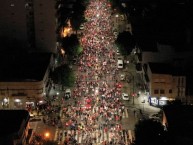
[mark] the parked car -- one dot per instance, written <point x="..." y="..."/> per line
<point x="120" y="63"/>
<point x="67" y="94"/>
<point x="122" y="77"/>
<point x="125" y="96"/>
<point x="118" y="53"/>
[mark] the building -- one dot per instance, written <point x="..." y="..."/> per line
<point x="181" y="61"/>
<point x="178" y="121"/>
<point x="164" y="84"/>
<point x="24" y="79"/>
<point x="30" y="24"/>
<point x="14" y="127"/>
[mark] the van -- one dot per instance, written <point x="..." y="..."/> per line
<point x="120" y="63"/>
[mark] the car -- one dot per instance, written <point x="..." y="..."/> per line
<point x="125" y="96"/>
<point x="67" y="93"/>
<point x="81" y="26"/>
<point x="120" y="64"/>
<point x="119" y="58"/>
<point x="154" y="117"/>
<point x="118" y="53"/>
<point x="122" y="77"/>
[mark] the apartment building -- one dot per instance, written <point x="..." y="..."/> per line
<point x="165" y="84"/>
<point x="24" y="81"/>
<point x="29" y="24"/>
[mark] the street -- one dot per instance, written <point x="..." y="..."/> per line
<point x="95" y="113"/>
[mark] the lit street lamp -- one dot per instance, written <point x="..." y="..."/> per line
<point x="46" y="135"/>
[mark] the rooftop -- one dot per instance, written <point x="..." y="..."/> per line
<point x="11" y="121"/>
<point x="23" y="66"/>
<point x="160" y="68"/>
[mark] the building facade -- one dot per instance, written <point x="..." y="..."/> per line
<point x="165" y="86"/>
<point x="27" y="92"/>
<point x="31" y="23"/>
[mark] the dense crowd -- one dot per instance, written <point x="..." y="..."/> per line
<point x="97" y="93"/>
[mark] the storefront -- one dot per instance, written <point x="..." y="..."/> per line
<point x="18" y="103"/>
<point x="158" y="101"/>
<point x="5" y="102"/>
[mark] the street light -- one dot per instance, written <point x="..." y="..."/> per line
<point x="46" y="134"/>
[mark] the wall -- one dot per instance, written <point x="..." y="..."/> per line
<point x="45" y="25"/>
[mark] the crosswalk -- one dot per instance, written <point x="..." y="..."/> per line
<point x="125" y="113"/>
<point x="96" y="137"/>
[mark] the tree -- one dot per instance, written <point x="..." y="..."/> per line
<point x="63" y="75"/>
<point x="78" y="15"/>
<point x="125" y="43"/>
<point x="149" y="132"/>
<point x="71" y="45"/>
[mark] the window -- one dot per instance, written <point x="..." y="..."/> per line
<point x="12" y="5"/>
<point x="162" y="91"/>
<point x="170" y="91"/>
<point x="156" y="91"/>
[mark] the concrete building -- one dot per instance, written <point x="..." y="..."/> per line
<point x="161" y="53"/>
<point x="24" y="79"/>
<point x="14" y="127"/>
<point x="30" y="24"/>
<point x="165" y="84"/>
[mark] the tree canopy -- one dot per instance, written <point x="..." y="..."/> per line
<point x="63" y="75"/>
<point x="71" y="46"/>
<point x="125" y="42"/>
<point x="149" y="132"/>
<point x="78" y="15"/>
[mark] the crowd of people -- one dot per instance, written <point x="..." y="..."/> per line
<point x="97" y="107"/>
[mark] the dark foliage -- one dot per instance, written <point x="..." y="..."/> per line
<point x="149" y="132"/>
<point x="125" y="42"/>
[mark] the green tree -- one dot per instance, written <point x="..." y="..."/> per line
<point x="149" y="132"/>
<point x="71" y="46"/>
<point x="63" y="75"/>
<point x="125" y="42"/>
<point x="78" y="15"/>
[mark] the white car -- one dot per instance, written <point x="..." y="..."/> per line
<point x="122" y="77"/>
<point x="118" y="53"/>
<point x="67" y="93"/>
<point x="125" y="96"/>
<point x="81" y="26"/>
